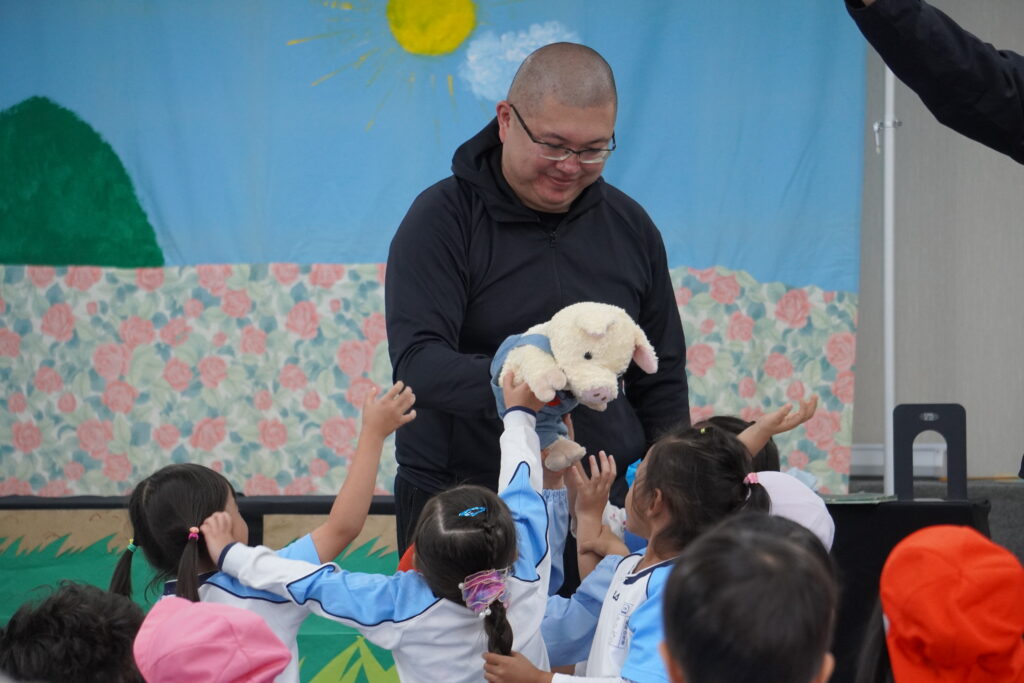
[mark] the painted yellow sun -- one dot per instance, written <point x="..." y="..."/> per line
<point x="431" y="28"/>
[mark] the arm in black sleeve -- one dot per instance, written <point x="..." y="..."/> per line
<point x="661" y="400"/>
<point x="425" y="298"/>
<point x="966" y="83"/>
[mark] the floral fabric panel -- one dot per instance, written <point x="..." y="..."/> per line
<point x="257" y="371"/>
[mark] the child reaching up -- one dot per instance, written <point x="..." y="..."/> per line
<point x="167" y="508"/>
<point x="482" y="565"/>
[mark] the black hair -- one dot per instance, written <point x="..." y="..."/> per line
<point x="781" y="527"/>
<point x="78" y="633"/>
<point x="766" y="459"/>
<point x="745" y="605"/>
<point x="451" y="546"/>
<point x="701" y="474"/>
<point x="873" y="664"/>
<point x="162" y="508"/>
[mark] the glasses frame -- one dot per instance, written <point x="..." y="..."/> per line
<point x="560" y="152"/>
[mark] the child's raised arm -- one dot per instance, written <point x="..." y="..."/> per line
<point x="782" y="420"/>
<point x="381" y="416"/>
<point x="591" y="497"/>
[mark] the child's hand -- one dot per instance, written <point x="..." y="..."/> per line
<point x="591" y="492"/>
<point x="216" y="530"/>
<point x="519" y="395"/>
<point x="383" y="415"/>
<point x="604" y="544"/>
<point x="783" y="419"/>
<point x="512" y="669"/>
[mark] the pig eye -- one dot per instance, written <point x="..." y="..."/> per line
<point x="588" y="355"/>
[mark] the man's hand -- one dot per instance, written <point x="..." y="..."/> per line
<point x="519" y="394"/>
<point x="383" y="415"/>
<point x="512" y="669"/>
<point x="216" y="530"/>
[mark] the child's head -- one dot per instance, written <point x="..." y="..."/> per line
<point x="746" y="604"/>
<point x="698" y="476"/>
<point x="78" y="633"/>
<point x="204" y="641"/>
<point x="765" y="460"/>
<point x="164" y="508"/>
<point x="465" y="541"/>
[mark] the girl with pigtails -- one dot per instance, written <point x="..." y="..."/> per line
<point x="482" y="563"/>
<point x="167" y="508"/>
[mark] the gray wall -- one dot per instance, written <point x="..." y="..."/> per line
<point x="959" y="266"/>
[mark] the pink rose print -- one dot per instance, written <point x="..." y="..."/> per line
<point x="93" y="437"/>
<point x="797" y="459"/>
<point x="119" y="397"/>
<point x="54" y="489"/>
<point x="303" y="320"/>
<point x="337" y="433"/>
<point x="67" y="403"/>
<point x="292" y="377"/>
<point x="149" y="279"/>
<point x="217" y="466"/>
<point x="220" y="339"/>
<point x="725" y="289"/>
<point x="752" y="413"/>
<point x="91" y="308"/>
<point x="318" y="467"/>
<point x="358" y="390"/>
<point x="795" y="391"/>
<point x="15" y="487"/>
<point x="41" y="276"/>
<point x="212" y="371"/>
<point x="822" y="428"/>
<point x="841" y="350"/>
<point x="3" y="305"/>
<point x="48" y="380"/>
<point x="10" y="343"/>
<point x="207" y="433"/>
<point x="253" y="340"/>
<point x="74" y="470"/>
<point x="382" y="272"/>
<point x="16" y="402"/>
<point x="136" y="331"/>
<point x="708" y="326"/>
<point x="748" y="387"/>
<point x="741" y="327"/>
<point x="374" y="328"/>
<point x="706" y="275"/>
<point x="262" y="400"/>
<point x="335" y="305"/>
<point x="778" y="366"/>
<point x="326" y="274"/>
<point x="273" y="434"/>
<point x="285" y="273"/>
<point x="111" y="360"/>
<point x="82" y="277"/>
<point x="117" y="467"/>
<point x="828" y="297"/>
<point x="701" y="413"/>
<point x="166" y="436"/>
<point x="175" y="332"/>
<point x="236" y="303"/>
<point x="193" y="308"/>
<point x="793" y="308"/>
<point x="300" y="486"/>
<point x="25" y="436"/>
<point x="842" y="388"/>
<point x="699" y="359"/>
<point x="59" y="322"/>
<point x="214" y="278"/>
<point x="683" y="296"/>
<point x="311" y="401"/>
<point x="260" y="485"/>
<point x="177" y="374"/>
<point x="839" y="459"/>
<point x="354" y="357"/>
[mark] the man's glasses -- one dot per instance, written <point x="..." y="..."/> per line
<point x="560" y="153"/>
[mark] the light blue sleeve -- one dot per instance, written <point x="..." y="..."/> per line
<point x="644" y="662"/>
<point x="557" y="503"/>
<point x="569" y="623"/>
<point x="301" y="549"/>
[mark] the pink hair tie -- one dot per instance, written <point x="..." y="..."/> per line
<point x="193" y="533"/>
<point x="751" y="478"/>
<point x="479" y="590"/>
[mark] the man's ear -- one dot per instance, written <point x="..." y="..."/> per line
<point x="675" y="671"/>
<point x="504" y="114"/>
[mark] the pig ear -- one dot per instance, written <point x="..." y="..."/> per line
<point x="643" y="352"/>
<point x="596" y="326"/>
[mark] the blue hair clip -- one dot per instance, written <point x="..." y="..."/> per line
<point x="472" y="512"/>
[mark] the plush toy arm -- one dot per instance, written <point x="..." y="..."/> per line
<point x="537" y="368"/>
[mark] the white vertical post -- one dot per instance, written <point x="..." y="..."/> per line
<point x="888" y="276"/>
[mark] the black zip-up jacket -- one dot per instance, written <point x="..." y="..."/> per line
<point x="470" y="265"/>
<point x="966" y="83"/>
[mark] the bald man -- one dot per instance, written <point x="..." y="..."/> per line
<point x="524" y="227"/>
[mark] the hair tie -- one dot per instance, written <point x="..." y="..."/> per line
<point x="703" y="430"/>
<point x="472" y="512"/>
<point x="131" y="545"/>
<point x="750" y="479"/>
<point x="479" y="590"/>
<point x="193" y="533"/>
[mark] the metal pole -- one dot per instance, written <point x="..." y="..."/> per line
<point x="889" y="269"/>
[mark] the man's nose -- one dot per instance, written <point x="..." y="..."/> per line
<point x="570" y="164"/>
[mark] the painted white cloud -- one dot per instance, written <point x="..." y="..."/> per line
<point x="491" y="60"/>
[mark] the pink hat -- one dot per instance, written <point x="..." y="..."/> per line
<point x="954" y="605"/>
<point x="202" y="641"/>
